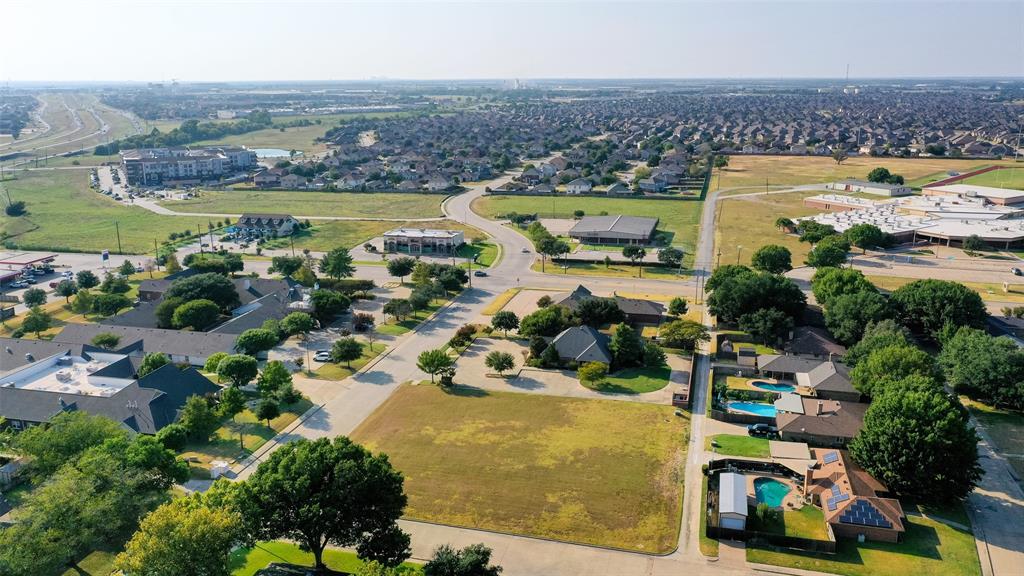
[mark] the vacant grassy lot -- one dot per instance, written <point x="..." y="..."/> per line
<point x="634" y="381"/>
<point x="794" y="170"/>
<point x="987" y="290"/>
<point x="744" y="224"/>
<point x="1005" y="428"/>
<point x="302" y="204"/>
<point x="736" y="445"/>
<point x="325" y="236"/>
<point x="484" y="253"/>
<point x="609" y="271"/>
<point x="65" y="215"/>
<point x="591" y="471"/>
<point x="929" y="547"/>
<point x="301" y="138"/>
<point x="679" y="217"/>
<point x="247" y="561"/>
<point x="999" y="178"/>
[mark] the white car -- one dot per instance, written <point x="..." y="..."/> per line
<point x="322" y="357"/>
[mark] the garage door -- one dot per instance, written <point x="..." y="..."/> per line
<point x="733" y="523"/>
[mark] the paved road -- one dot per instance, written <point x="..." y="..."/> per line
<point x="996" y="508"/>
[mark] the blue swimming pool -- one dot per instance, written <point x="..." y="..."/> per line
<point x="756" y="408"/>
<point x="771" y="386"/>
<point x="770" y="491"/>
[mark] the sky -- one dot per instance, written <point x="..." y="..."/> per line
<point x="267" y="40"/>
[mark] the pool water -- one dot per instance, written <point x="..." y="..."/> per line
<point x="770" y="491"/>
<point x="767" y="410"/>
<point x="772" y="387"/>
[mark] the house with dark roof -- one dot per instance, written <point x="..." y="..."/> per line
<point x="582" y="344"/>
<point x="614" y="229"/>
<point x="181" y="347"/>
<point x="639" y="311"/>
<point x="266" y="224"/>
<point x="855" y="504"/>
<point x="102" y="383"/>
<point x="824" y="379"/>
<point x="827" y="423"/>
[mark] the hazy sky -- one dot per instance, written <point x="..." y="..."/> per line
<point x="211" y="40"/>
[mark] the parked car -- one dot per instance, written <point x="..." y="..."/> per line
<point x="479" y="273"/>
<point x="1016" y="272"/>
<point x="322" y="357"/>
<point x="18" y="284"/>
<point x="764" y="430"/>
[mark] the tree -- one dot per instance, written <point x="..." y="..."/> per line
<point x="398" y="308"/>
<point x="328" y="304"/>
<point x="892" y="363"/>
<point x="880" y="175"/>
<point x="34" y="297"/>
<point x="83" y="302"/>
<point x="173" y="436"/>
<point x="544" y="301"/>
<point x="830" y="251"/>
<point x="634" y="253"/>
<point x="164" y="311"/>
<point x="433" y="361"/>
<point x="337" y="264"/>
<point x="747" y="292"/>
<point x="828" y="283"/>
<point x="671" y="257"/>
<point x="877" y="335"/>
<point x="268" y="409"/>
<point x="305" y="276"/>
<point x="505" y="320"/>
<point x="683" y="334"/>
<point x="677" y="306"/>
<point x="255" y="340"/>
<point x="209" y="286"/>
<point x="106" y="340"/>
<point x="114" y="284"/>
<point x="865" y="236"/>
<point x="766" y="324"/>
<point x="197" y="314"/>
<point x="840" y="155"/>
<point x="550" y="358"/>
<point x="151" y="362"/>
<point x="198" y="418"/>
<point x="232" y="402"/>
<point x="126" y="268"/>
<point x="346" y="350"/>
<point x="213" y="361"/>
<point x="37" y="320"/>
<point x="499" y="361"/>
<point x="110" y="304"/>
<point x="626" y="346"/>
<point x="983" y="366"/>
<point x="182" y="538"/>
<point x="721" y="161"/>
<point x="87" y="279"/>
<point x="67" y="436"/>
<point x="473" y="560"/>
<point x="287" y="265"/>
<point x="273" y="379"/>
<point x="919" y="444"/>
<point x="849" y="314"/>
<point x="785" y="224"/>
<point x="553" y="248"/>
<point x="545" y="321"/>
<point x="596" y="312"/>
<point x="297" y="323"/>
<point x="327" y="492"/>
<point x="401" y="267"/>
<point x="239" y="369"/>
<point x="927" y="307"/>
<point x="773" y="259"/>
<point x="974" y="243"/>
<point x="171" y="265"/>
<point x="67" y="289"/>
<point x="814" y="232"/>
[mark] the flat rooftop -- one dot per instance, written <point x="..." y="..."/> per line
<point x="422" y="233"/>
<point x="983" y="191"/>
<point x="71" y="375"/>
<point x="638" y="225"/>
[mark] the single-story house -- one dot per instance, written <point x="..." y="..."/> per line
<point x="855" y="504"/>
<point x="825" y="379"/>
<point x="582" y="344"/>
<point x="618" y="188"/>
<point x="818" y="422"/>
<point x="614" y="229"/>
<point x="639" y="311"/>
<point x="732" y="500"/>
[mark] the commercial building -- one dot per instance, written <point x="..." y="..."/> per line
<point x="999" y="196"/>
<point x="865" y="187"/>
<point x="153" y="166"/>
<point x="423" y="241"/>
<point x="614" y="230"/>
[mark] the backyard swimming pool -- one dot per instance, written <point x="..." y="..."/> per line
<point x="771" y="386"/>
<point x="770" y="491"/>
<point x="756" y="408"/>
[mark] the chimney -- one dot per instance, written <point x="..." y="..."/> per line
<point x="246" y="284"/>
<point x="818" y="412"/>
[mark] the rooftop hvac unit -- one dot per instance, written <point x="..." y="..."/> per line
<point x="63" y="375"/>
<point x="91" y="367"/>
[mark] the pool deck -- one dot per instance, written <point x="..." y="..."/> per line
<point x="793" y="500"/>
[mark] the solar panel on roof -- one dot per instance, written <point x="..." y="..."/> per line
<point x="836" y="491"/>
<point x="864" y="514"/>
<point x="830" y="457"/>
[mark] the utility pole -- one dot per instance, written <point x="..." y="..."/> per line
<point x="117" y="230"/>
<point x="738" y="250"/>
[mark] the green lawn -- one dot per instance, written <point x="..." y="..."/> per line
<point x="394" y="328"/>
<point x="929" y="547"/>
<point x="326" y="236"/>
<point x="1013" y="178"/>
<point x="301" y="203"/>
<point x="485" y="252"/>
<point x="591" y="471"/>
<point x="736" y="445"/>
<point x="331" y="371"/>
<point x="65" y="215"/>
<point x="807" y="522"/>
<point x="634" y="381"/>
<point x="98" y="563"/>
<point x="613" y="271"/>
<point x="247" y="561"/>
<point x="681" y="218"/>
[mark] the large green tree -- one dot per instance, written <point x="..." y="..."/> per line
<point x="985" y="367"/>
<point x="684" y="334"/>
<point x="401" y="267"/>
<point x="626" y="347"/>
<point x="547" y="321"/>
<point x="68" y="435"/>
<point x="255" y="340"/>
<point x="505" y="320"/>
<point x="865" y="236"/>
<point x="747" y="292"/>
<point x="473" y="560"/>
<point x="932" y="308"/>
<point x="346" y="350"/>
<point x="829" y="283"/>
<point x="893" y="363"/>
<point x="849" y="314"/>
<point x="197" y="314"/>
<point x="337" y="264"/>
<point x="433" y="362"/>
<point x="239" y="369"/>
<point x="151" y="362"/>
<point x="767" y="325"/>
<point x="829" y="251"/>
<point x="325" y="492"/>
<point x="773" y="259"/>
<point x="208" y="286"/>
<point x="327" y="304"/>
<point x="877" y="335"/>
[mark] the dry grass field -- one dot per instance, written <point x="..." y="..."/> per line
<point x="746" y="223"/>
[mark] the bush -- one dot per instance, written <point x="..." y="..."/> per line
<point x="593" y="372"/>
<point x="173" y="436"/>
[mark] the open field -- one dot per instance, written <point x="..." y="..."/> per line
<point x="65" y="215"/>
<point x="987" y="290"/>
<point x="796" y="170"/>
<point x="591" y="471"/>
<point x="349" y="233"/>
<point x="929" y="547"/>
<point x="610" y="271"/>
<point x="999" y="178"/>
<point x="1005" y="428"/>
<point x="745" y="224"/>
<point x="299" y="203"/>
<point x="679" y="217"/>
<point x="299" y="138"/>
